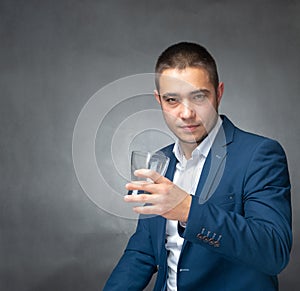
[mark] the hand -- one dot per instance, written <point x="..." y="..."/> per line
<point x="166" y="199"/>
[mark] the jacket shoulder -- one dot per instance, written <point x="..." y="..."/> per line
<point x="167" y="150"/>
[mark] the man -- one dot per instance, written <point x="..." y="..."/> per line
<point x="221" y="218"/>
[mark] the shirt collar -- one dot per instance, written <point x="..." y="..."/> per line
<point x="203" y="148"/>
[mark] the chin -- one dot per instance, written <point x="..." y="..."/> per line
<point x="193" y="139"/>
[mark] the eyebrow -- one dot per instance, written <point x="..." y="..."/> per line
<point x="198" y="91"/>
<point x="202" y="91"/>
<point x="168" y="94"/>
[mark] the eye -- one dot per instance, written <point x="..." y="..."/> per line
<point x="199" y="98"/>
<point x="171" y="100"/>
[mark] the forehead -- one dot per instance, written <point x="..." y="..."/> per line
<point x="188" y="79"/>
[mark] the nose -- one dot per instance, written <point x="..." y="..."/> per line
<point x="186" y="111"/>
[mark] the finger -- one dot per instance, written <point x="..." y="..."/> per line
<point x="154" y="176"/>
<point x="160" y="189"/>
<point x="149" y="209"/>
<point x="137" y="185"/>
<point x="141" y="198"/>
<point x="147" y="187"/>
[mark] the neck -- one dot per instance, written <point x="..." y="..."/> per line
<point x="188" y="148"/>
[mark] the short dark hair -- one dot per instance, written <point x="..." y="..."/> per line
<point x="187" y="54"/>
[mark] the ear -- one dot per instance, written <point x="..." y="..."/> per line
<point x="157" y="96"/>
<point x="220" y="92"/>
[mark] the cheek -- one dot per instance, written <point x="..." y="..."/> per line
<point x="169" y="116"/>
<point x="206" y="112"/>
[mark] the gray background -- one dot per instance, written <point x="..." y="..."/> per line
<point x="55" y="55"/>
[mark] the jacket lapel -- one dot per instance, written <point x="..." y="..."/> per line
<point x="215" y="162"/>
<point x="161" y="224"/>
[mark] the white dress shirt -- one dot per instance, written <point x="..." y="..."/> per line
<point x="186" y="176"/>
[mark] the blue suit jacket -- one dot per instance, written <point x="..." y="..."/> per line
<point x="238" y="235"/>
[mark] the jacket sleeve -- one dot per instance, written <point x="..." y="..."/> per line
<point x="136" y="266"/>
<point x="260" y="235"/>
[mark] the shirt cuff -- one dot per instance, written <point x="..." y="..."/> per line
<point x="182" y="224"/>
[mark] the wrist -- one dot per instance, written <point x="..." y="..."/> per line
<point x="186" y="207"/>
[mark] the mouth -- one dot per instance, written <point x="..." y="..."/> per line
<point x="189" y="127"/>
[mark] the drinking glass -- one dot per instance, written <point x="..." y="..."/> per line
<point x="157" y="162"/>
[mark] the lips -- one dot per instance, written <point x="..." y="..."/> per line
<point x="190" y="127"/>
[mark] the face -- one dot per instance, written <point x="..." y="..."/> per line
<point x="190" y="103"/>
